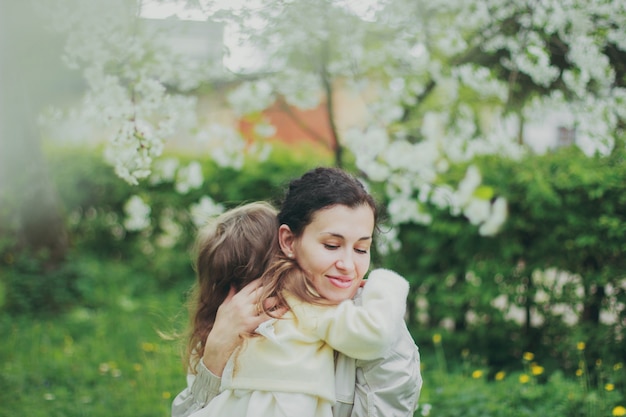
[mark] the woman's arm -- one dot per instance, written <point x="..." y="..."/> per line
<point x="390" y="385"/>
<point x="202" y="387"/>
<point x="237" y="315"/>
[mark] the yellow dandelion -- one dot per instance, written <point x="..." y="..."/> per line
<point x="166" y="395"/>
<point x="528" y="356"/>
<point x="598" y="362"/>
<point x="477" y="374"/>
<point x="500" y="375"/>
<point x="137" y="367"/>
<point x="609" y="387"/>
<point x="524" y="379"/>
<point x="579" y="372"/>
<point x="536" y="370"/>
<point x="465" y="353"/>
<point x="148" y="347"/>
<point x="436" y="338"/>
<point x="617" y="366"/>
<point x="619" y="411"/>
<point x="580" y="345"/>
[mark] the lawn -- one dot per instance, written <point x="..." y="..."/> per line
<point x="117" y="358"/>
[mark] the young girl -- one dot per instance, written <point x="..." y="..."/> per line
<point x="325" y="253"/>
<point x="232" y="251"/>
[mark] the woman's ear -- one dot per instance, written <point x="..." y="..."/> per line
<point x="286" y="240"/>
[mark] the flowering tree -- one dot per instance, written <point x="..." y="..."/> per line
<point x="453" y="80"/>
<point x="450" y="80"/>
<point x="138" y="93"/>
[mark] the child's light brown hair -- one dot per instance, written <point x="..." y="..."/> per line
<point x="232" y="250"/>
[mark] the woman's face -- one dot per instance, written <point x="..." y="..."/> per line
<point x="334" y="249"/>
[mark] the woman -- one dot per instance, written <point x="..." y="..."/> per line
<point x="326" y="223"/>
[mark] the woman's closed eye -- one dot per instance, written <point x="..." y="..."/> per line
<point x="330" y="246"/>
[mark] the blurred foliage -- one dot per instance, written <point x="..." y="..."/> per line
<point x="567" y="213"/>
<point x="92" y="200"/>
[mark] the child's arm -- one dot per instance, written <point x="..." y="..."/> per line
<point x="367" y="331"/>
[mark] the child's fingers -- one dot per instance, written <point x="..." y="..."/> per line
<point x="270" y="305"/>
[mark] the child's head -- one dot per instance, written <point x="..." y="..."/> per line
<point x="232" y="250"/>
<point x="237" y="246"/>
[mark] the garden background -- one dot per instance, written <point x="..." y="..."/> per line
<point x="118" y="142"/>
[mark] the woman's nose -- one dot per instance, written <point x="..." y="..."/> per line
<point x="345" y="263"/>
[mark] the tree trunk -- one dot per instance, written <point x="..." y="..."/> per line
<point x="30" y="71"/>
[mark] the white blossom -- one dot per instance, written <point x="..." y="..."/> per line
<point x="501" y="302"/>
<point x="516" y="314"/>
<point x="425" y="409"/>
<point x="126" y="64"/>
<point x="299" y="89"/>
<point x="204" y="210"/>
<point x="408" y="210"/>
<point x="477" y="210"/>
<point x="468" y="185"/>
<point x="164" y="170"/>
<point x="387" y="242"/>
<point x="497" y="218"/>
<point x="471" y="317"/>
<point x="189" y="178"/>
<point x="226" y="145"/>
<point x="566" y="312"/>
<point x="251" y="97"/>
<point x="137" y="214"/>
<point x="443" y="196"/>
<point x="171" y="230"/>
<point x="608" y="318"/>
<point x="265" y="130"/>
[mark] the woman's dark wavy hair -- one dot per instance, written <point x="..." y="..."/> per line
<point x="319" y="189"/>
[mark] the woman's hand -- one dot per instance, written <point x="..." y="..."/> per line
<point x="237" y="315"/>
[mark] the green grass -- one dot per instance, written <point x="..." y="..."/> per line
<point x="111" y="360"/>
<point x="107" y="362"/>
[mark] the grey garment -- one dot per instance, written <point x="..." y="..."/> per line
<point x="345" y="380"/>
<point x="201" y="389"/>
<point x="389" y="386"/>
<point x="385" y="387"/>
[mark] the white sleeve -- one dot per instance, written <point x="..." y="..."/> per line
<point x="367" y="331"/>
